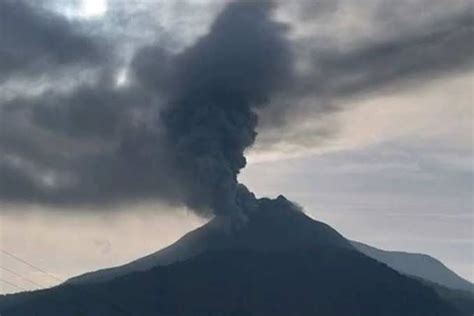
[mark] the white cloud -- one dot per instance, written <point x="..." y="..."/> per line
<point x="92" y="8"/>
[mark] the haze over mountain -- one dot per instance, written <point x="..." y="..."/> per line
<point x="418" y="265"/>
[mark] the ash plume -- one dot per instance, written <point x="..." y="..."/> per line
<point x="210" y="118"/>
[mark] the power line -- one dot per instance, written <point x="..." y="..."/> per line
<point x="22" y="277"/>
<point x="13" y="285"/>
<point x="72" y="286"/>
<point x="30" y="265"/>
<point x="19" y="275"/>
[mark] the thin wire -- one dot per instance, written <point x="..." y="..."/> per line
<point x="30" y="265"/>
<point x="22" y="277"/>
<point x="72" y="286"/>
<point x="12" y="284"/>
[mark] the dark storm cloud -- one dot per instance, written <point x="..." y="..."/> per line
<point x="94" y="145"/>
<point x="90" y="112"/>
<point x="444" y="47"/>
<point x="440" y="47"/>
<point x="57" y="165"/>
<point x="178" y="131"/>
<point x="33" y="40"/>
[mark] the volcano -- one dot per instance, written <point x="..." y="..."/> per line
<point x="278" y="262"/>
<point x="277" y="225"/>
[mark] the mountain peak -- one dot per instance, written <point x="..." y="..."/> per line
<point x="274" y="225"/>
<point x="278" y="224"/>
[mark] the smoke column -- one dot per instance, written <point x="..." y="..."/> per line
<point x="217" y="84"/>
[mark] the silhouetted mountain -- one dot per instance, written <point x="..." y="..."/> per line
<point x="462" y="300"/>
<point x="277" y="225"/>
<point x="418" y="265"/>
<point x="327" y="281"/>
<point x="280" y="262"/>
<point x="273" y="227"/>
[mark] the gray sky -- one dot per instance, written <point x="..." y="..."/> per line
<point x="375" y="137"/>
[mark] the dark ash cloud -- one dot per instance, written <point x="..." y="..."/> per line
<point x="445" y="46"/>
<point x="441" y="47"/>
<point x="210" y="119"/>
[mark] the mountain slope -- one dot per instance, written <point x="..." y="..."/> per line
<point x="277" y="225"/>
<point x="273" y="226"/>
<point x="462" y="300"/>
<point x="327" y="281"/>
<point x="418" y="265"/>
